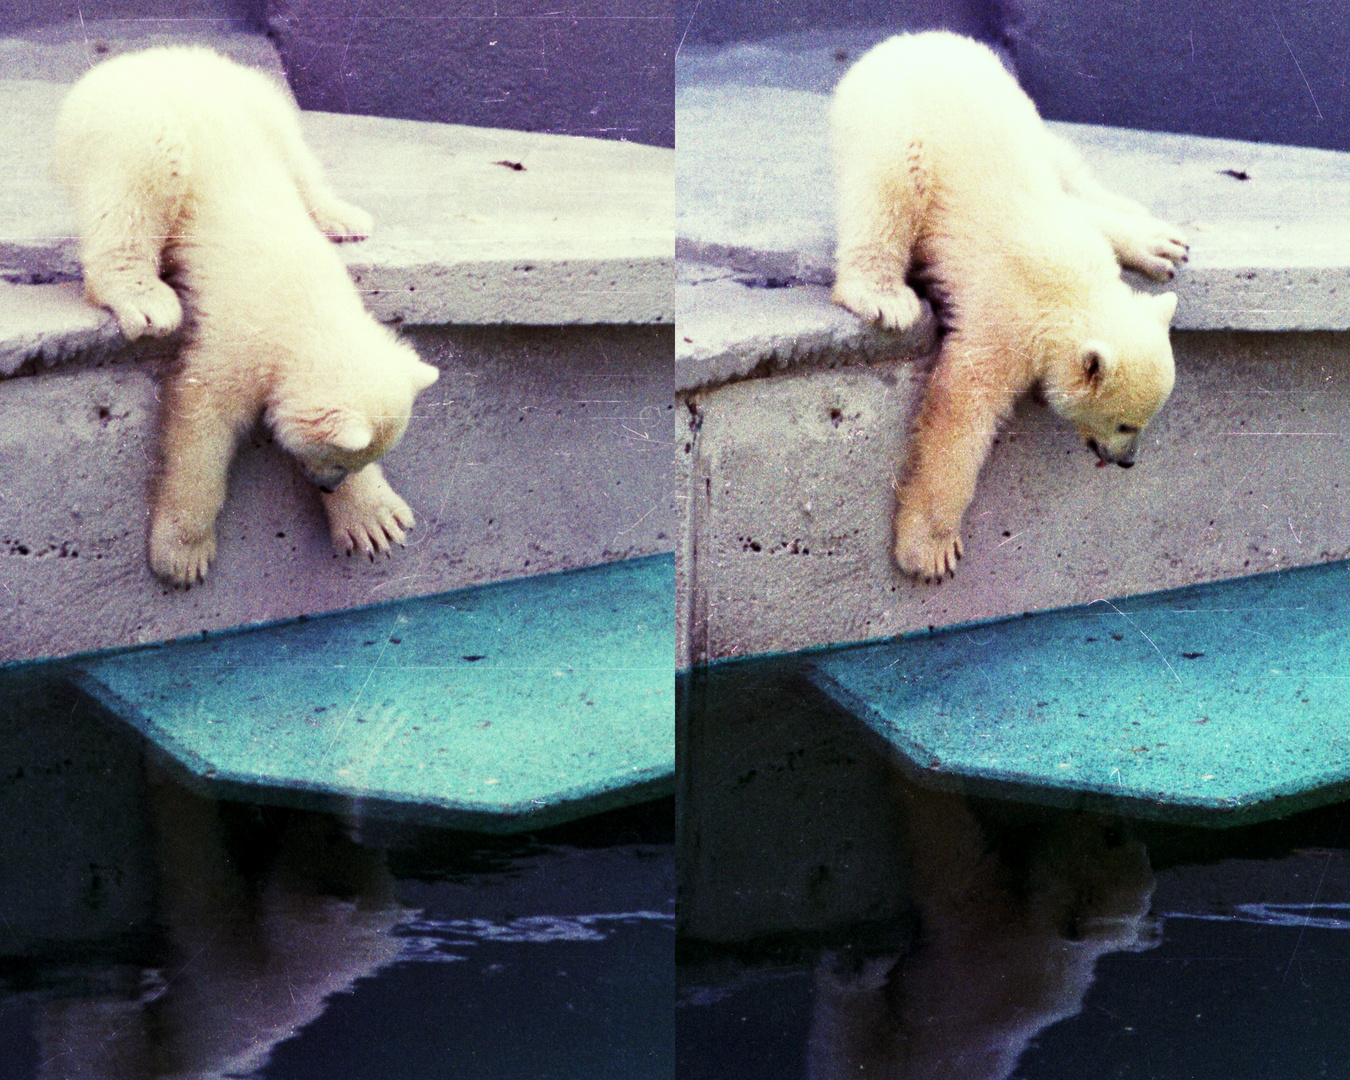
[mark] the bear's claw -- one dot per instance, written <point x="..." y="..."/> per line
<point x="895" y="310"/>
<point x="366" y="515"/>
<point x="154" y="311"/>
<point x="180" y="561"/>
<point x="925" y="552"/>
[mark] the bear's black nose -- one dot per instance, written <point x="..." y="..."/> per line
<point x="1125" y="464"/>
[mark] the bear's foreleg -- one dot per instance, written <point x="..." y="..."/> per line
<point x="336" y="218"/>
<point x="952" y="435"/>
<point x="876" y="222"/>
<point x="197" y="441"/>
<point x="123" y="230"/>
<point x="365" y="514"/>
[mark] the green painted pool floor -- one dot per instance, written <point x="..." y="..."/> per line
<point x="498" y="708"/>
<point x="1216" y="704"/>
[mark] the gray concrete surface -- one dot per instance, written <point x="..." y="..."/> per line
<point x="790" y="485"/>
<point x="599" y="68"/>
<point x="538" y="450"/>
<point x="1271" y="252"/>
<point x="582" y="234"/>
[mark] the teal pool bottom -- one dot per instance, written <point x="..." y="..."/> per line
<point x="501" y="708"/>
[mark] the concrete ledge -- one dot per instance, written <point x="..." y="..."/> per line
<point x="735" y="325"/>
<point x="790" y="478"/>
<point x="580" y="234"/>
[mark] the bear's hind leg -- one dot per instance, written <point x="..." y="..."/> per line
<point x="1148" y="245"/>
<point x="336" y="218"/>
<point x="1140" y="241"/>
<point x="123" y="231"/>
<point x="951" y="439"/>
<point x="365" y="514"/>
<point x="875" y="239"/>
<point x="197" y="441"/>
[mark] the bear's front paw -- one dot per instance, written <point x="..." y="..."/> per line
<point x="341" y="221"/>
<point x="153" y="311"/>
<point x="892" y="310"/>
<point x="924" y="549"/>
<point x="180" y="556"/>
<point x="366" y="515"/>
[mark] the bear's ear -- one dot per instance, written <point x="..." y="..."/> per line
<point x="298" y="428"/>
<point x="1166" y="307"/>
<point x="423" y="375"/>
<point x="1097" y="361"/>
<point x="347" y="430"/>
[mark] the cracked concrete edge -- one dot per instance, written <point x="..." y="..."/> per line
<point x="731" y="326"/>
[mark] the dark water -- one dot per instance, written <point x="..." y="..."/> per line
<point x="147" y="930"/>
<point x="837" y="920"/>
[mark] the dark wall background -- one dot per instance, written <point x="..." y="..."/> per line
<point x="603" y="68"/>
<point x="1264" y="70"/>
<point x="717" y="22"/>
<point x="1267" y="70"/>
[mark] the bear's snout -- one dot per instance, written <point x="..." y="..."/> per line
<point x="1125" y="458"/>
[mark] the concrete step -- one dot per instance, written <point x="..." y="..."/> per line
<point x="1270" y="247"/>
<point x="539" y="449"/>
<point x="798" y="414"/>
<point x="503" y="708"/>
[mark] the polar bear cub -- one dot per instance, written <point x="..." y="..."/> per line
<point x="182" y="162"/>
<point x="945" y="172"/>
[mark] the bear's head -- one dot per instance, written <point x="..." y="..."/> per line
<point x="337" y="416"/>
<point x="1112" y="378"/>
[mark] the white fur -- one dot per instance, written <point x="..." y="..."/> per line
<point x="945" y="171"/>
<point x="180" y="161"/>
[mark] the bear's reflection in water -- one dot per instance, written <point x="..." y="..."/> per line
<point x="1011" y="927"/>
<point x="253" y="955"/>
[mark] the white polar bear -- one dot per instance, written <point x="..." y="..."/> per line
<point x="179" y="160"/>
<point x="945" y="171"/>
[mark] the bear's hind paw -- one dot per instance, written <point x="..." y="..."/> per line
<point x="891" y="310"/>
<point x="341" y="221"/>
